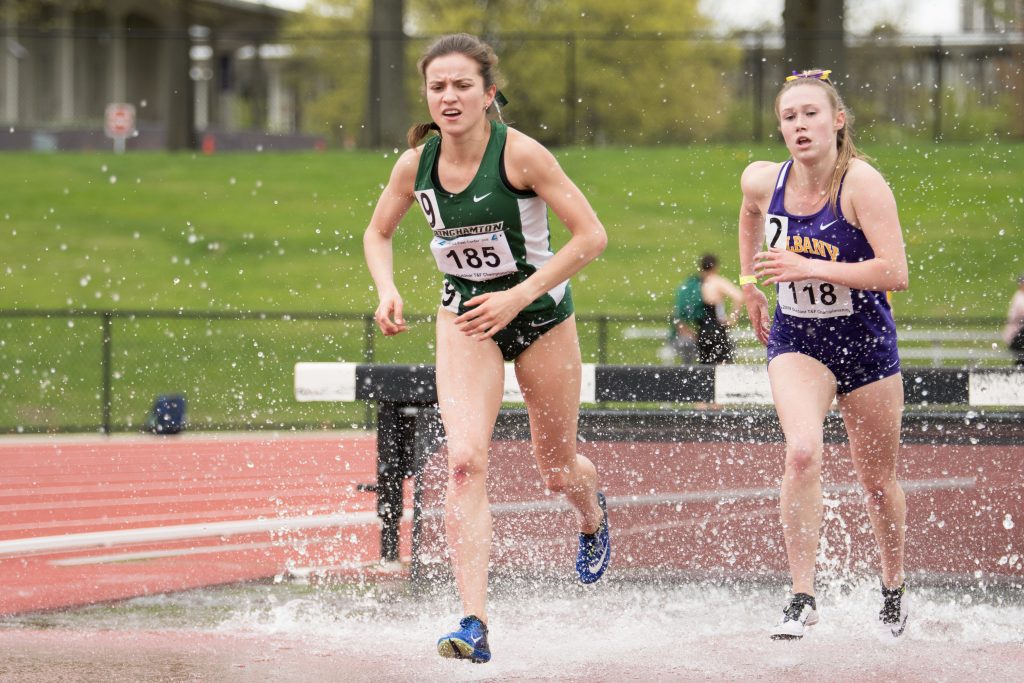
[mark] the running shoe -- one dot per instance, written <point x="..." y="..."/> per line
<point x="595" y="549"/>
<point x="798" y="615"/>
<point x="893" y="616"/>
<point x="469" y="642"/>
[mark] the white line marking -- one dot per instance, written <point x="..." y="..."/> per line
<point x="713" y="496"/>
<point x="156" y="554"/>
<point x="179" y="532"/>
<point x="102" y="539"/>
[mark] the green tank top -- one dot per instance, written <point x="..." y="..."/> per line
<point x="489" y="237"/>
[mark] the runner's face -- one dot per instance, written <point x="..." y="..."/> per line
<point x="808" y="122"/>
<point x="455" y="93"/>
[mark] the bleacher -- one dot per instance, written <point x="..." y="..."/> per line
<point x="918" y="346"/>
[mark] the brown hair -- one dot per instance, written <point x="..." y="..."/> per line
<point x="844" y="136"/>
<point x="707" y="262"/>
<point x="463" y="44"/>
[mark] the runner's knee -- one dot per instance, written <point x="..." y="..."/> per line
<point x="466" y="464"/>
<point x="877" y="488"/>
<point x="803" y="458"/>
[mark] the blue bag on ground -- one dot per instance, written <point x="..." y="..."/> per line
<point x="168" y="415"/>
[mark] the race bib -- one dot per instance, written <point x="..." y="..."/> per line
<point x="815" y="299"/>
<point x="776" y="231"/>
<point x="450" y="297"/>
<point x="474" y="257"/>
<point x="427" y="200"/>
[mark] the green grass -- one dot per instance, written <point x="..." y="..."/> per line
<point x="282" y="232"/>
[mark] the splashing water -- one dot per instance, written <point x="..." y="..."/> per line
<point x="636" y="630"/>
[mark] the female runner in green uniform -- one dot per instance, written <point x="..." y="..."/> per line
<point x="484" y="189"/>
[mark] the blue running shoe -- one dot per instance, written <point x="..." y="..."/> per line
<point x="469" y="642"/>
<point x="595" y="549"/>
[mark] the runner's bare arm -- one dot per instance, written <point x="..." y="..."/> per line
<point x="394" y="202"/>
<point x="531" y="166"/>
<point x="756" y="184"/>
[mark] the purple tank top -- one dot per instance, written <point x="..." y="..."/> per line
<point x="825" y="234"/>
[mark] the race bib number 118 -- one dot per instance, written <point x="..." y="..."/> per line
<point x="815" y="299"/>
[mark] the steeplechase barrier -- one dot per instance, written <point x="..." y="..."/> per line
<point x="955" y="408"/>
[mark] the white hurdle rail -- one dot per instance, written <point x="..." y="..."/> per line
<point x="723" y="384"/>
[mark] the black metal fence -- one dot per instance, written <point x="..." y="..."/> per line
<point x="100" y="370"/>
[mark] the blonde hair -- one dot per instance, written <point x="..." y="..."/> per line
<point x="844" y="136"/>
<point x="469" y="46"/>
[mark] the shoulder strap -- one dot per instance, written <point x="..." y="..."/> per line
<point x="777" y="204"/>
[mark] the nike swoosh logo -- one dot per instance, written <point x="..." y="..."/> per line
<point x="481" y="198"/>
<point x="598" y="561"/>
<point x="542" y="324"/>
<point x="822" y="227"/>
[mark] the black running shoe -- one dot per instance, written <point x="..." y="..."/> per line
<point x="893" y="616"/>
<point x="800" y="613"/>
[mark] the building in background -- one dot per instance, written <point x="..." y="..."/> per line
<point x="193" y="69"/>
<point x="219" y="74"/>
<point x="992" y="16"/>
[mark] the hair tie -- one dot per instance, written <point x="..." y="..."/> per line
<point x="815" y="74"/>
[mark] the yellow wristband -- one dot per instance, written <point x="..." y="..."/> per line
<point x="748" y="280"/>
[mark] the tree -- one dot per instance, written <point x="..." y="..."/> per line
<point x="386" y="121"/>
<point x="598" y="70"/>
<point x="815" y="35"/>
<point x="330" y="65"/>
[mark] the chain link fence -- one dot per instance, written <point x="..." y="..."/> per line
<point x="100" y="371"/>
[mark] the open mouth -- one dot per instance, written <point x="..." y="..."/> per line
<point x="803" y="140"/>
<point x="450" y="113"/>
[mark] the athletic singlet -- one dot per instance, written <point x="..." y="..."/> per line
<point x="849" y="330"/>
<point x="489" y="237"/>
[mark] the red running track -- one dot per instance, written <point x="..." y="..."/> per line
<point x="93" y="519"/>
<point x="713" y="508"/>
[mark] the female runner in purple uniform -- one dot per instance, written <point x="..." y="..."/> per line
<point x="833" y="248"/>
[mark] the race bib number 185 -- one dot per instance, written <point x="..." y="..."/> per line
<point x="474" y="257"/>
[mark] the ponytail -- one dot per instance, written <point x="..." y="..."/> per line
<point x="418" y="132"/>
<point x="847" y="153"/>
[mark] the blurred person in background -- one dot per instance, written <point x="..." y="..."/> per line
<point x="714" y="345"/>
<point x="1013" y="333"/>
<point x="699" y="331"/>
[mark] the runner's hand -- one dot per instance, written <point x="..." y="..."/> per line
<point x="779" y="265"/>
<point x="389" y="314"/>
<point x="490" y="312"/>
<point x="757" y="311"/>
